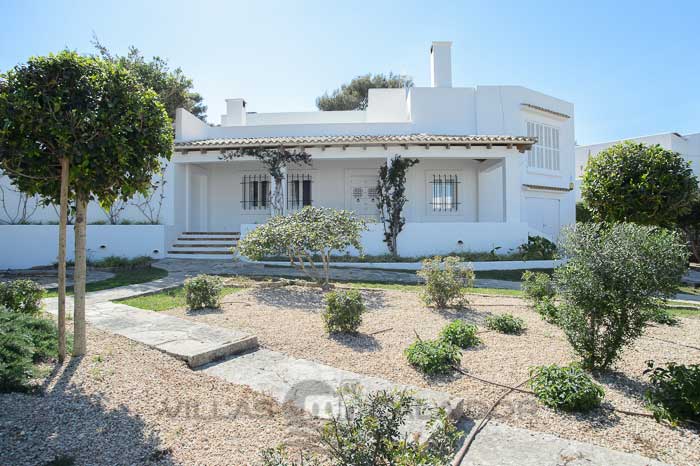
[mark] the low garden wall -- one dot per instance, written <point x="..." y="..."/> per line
<point x="425" y="239"/>
<point x="477" y="266"/>
<point x="24" y="246"/>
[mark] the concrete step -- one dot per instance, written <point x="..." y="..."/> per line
<point x="199" y="255"/>
<point x="225" y="251"/>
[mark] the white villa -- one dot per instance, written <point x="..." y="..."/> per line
<point x="496" y="165"/>
<point x="687" y="145"/>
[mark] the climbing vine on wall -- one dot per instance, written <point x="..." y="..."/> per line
<point x="274" y="159"/>
<point x="391" y="189"/>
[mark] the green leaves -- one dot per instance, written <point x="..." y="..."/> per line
<point x="354" y="95"/>
<point x="633" y="182"/>
<point x="568" y="388"/>
<point x="675" y="392"/>
<point x="114" y="132"/>
<point x="614" y="280"/>
<point x="433" y="357"/>
<point x="445" y="280"/>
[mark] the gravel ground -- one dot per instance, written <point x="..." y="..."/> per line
<point x="287" y="319"/>
<point x="126" y="404"/>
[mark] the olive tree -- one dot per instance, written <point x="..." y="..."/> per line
<point x="76" y="128"/>
<point x="304" y="236"/>
<point x="634" y="182"/>
<point x="614" y="281"/>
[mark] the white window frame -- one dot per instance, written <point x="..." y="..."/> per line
<point x="429" y="177"/>
<point x="255" y="210"/>
<point x="545" y="156"/>
<point x="291" y="207"/>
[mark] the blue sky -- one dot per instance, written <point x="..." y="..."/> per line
<point x="630" y="68"/>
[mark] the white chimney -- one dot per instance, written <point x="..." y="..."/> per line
<point x="441" y="64"/>
<point x="235" y="113"/>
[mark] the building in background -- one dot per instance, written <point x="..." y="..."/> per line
<point x="496" y="165"/>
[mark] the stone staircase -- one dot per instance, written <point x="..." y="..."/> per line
<point x="204" y="245"/>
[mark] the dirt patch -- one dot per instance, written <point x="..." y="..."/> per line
<point x="287" y="319"/>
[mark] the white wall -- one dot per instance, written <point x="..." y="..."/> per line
<point x="26" y="246"/>
<point x="422" y="239"/>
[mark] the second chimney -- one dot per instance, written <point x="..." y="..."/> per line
<point x="441" y="64"/>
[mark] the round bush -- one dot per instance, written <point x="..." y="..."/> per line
<point x="506" y="323"/>
<point x="568" y="388"/>
<point x="433" y="357"/>
<point x="203" y="292"/>
<point x="343" y="312"/>
<point x="21" y="296"/>
<point x="445" y="280"/>
<point x="460" y="333"/>
<point x="24" y="340"/>
<point x="675" y="392"/>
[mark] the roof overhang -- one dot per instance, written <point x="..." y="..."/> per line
<point x="521" y="143"/>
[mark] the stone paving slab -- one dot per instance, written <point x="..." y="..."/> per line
<point x="313" y="387"/>
<point x="502" y="445"/>
<point x="197" y="344"/>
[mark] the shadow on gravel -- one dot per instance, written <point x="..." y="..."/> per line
<point x="62" y="425"/>
<point x="360" y="342"/>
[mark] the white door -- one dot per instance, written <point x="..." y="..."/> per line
<point x="198" y="203"/>
<point x="542" y="214"/>
<point x="362" y="196"/>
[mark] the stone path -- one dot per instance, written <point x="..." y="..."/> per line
<point x="48" y="278"/>
<point x="307" y="384"/>
<point x="229" y="267"/>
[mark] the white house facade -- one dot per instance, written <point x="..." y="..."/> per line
<point x="496" y="164"/>
<point x="687" y="145"/>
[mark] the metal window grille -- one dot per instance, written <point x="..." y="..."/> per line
<point x="445" y="193"/>
<point x="298" y="190"/>
<point x="256" y="192"/>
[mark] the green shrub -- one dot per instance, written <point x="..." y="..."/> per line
<point x="675" y="392"/>
<point x="537" y="286"/>
<point x="461" y="334"/>
<point x="433" y="357"/>
<point x="537" y="248"/>
<point x="506" y="323"/>
<point x="122" y="262"/>
<point x="203" y="292"/>
<point x="568" y="388"/>
<point x="343" y="312"/>
<point x="21" y="296"/>
<point x="582" y="213"/>
<point x="24" y="341"/>
<point x="445" y="280"/>
<point x="353" y="439"/>
<point x="661" y="316"/>
<point x="548" y="310"/>
<point x="615" y="278"/>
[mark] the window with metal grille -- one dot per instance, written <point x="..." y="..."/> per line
<point x="256" y="192"/>
<point x="445" y="196"/>
<point x="298" y="191"/>
<point x="545" y="154"/>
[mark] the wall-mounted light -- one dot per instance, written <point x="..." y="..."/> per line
<point x="103" y="246"/>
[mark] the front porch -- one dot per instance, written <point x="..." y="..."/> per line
<point x="460" y="198"/>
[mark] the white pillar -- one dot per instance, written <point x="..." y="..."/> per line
<point x="188" y="196"/>
<point x="511" y="188"/>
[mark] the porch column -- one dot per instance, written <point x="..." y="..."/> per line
<point x="284" y="190"/>
<point x="188" y="195"/>
<point x="511" y="188"/>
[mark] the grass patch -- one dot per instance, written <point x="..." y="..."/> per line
<point x="168" y="299"/>
<point x="120" y="278"/>
<point x="685" y="289"/>
<point x="685" y="311"/>
<point x="509" y="275"/>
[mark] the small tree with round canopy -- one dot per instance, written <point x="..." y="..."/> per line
<point x="79" y="128"/>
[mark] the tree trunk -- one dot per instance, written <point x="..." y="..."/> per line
<point x="79" y="338"/>
<point x="62" y="261"/>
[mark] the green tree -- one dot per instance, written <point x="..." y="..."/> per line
<point x="174" y="89"/>
<point x="634" y="182"/>
<point x="615" y="280"/>
<point x="303" y="237"/>
<point x="353" y="95"/>
<point x="79" y="128"/>
<point x="391" y="186"/>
